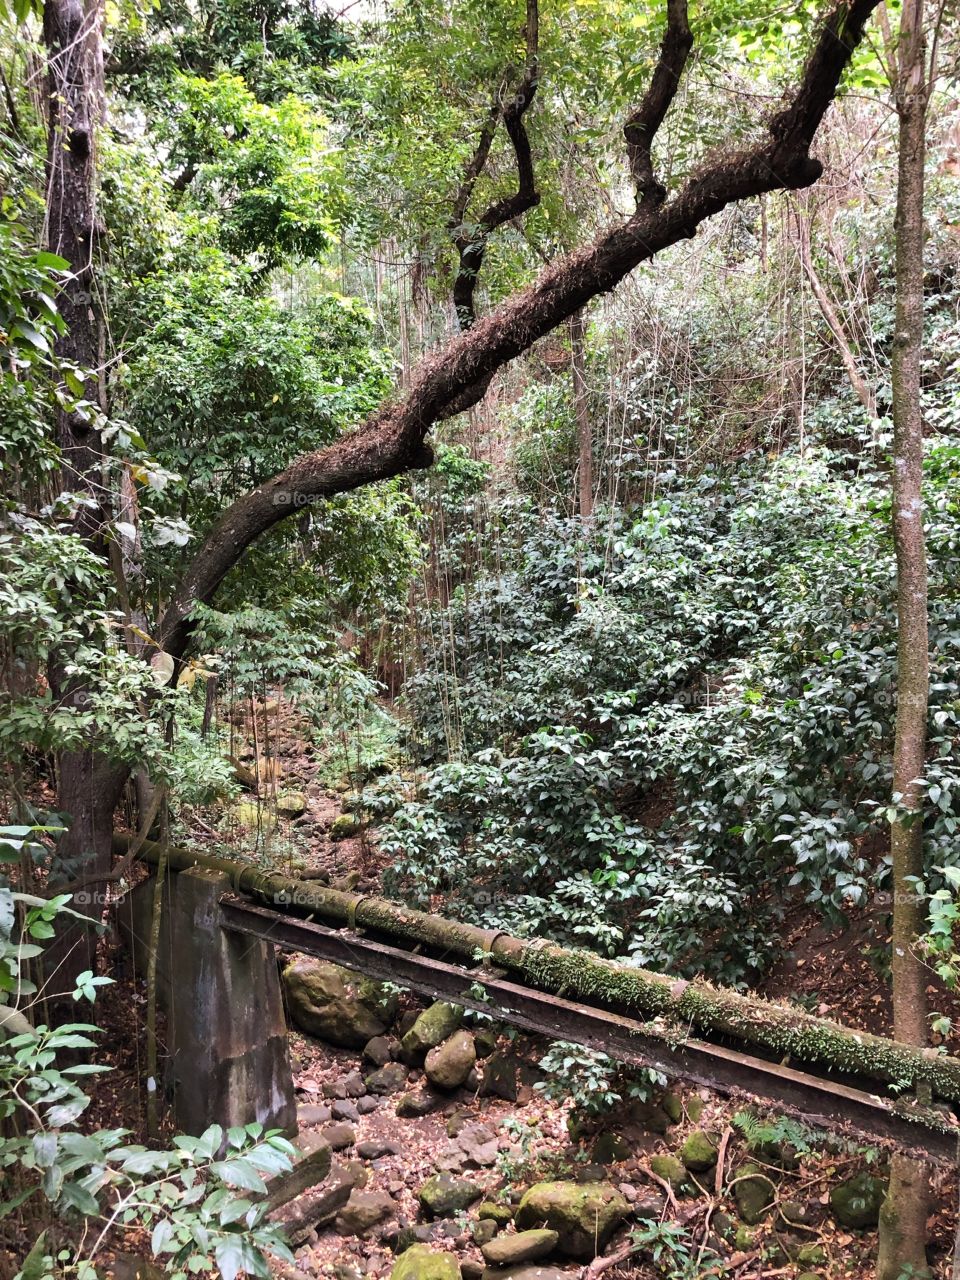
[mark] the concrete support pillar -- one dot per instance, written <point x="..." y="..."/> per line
<point x="220" y="991"/>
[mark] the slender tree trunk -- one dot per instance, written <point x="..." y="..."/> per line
<point x="578" y="370"/>
<point x="857" y="381"/>
<point x="89" y="786"/>
<point x="904" y="1217"/>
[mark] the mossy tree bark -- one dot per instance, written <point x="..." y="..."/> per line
<point x="903" y="1220"/>
<point x="88" y="786"/>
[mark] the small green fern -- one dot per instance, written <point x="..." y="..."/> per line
<point x="764" y="1131"/>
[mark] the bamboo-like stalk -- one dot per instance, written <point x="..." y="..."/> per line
<point x="672" y="1009"/>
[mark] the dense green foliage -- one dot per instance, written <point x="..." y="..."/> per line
<point x="657" y="719"/>
<point x="651" y="731"/>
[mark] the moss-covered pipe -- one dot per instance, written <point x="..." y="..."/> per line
<point x="672" y="1009"/>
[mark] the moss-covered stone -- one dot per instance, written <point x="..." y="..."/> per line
<point x="420" y="1262"/>
<point x="743" y="1238"/>
<point x="413" y="1105"/>
<point x="856" y="1202"/>
<point x="483" y="1231"/>
<point x="584" y="1215"/>
<point x="333" y="1003"/>
<point x="610" y="1148"/>
<point x="253" y="816"/>
<point x="432" y="1027"/>
<point x="754" y="1193"/>
<point x="443" y="1195"/>
<point x="695" y="1105"/>
<point x="520" y="1246"/>
<point x="449" y="1063"/>
<point x="291" y="804"/>
<point x="390" y="1078"/>
<point x="699" y="1151"/>
<point x="485" y="1038"/>
<point x="810" y="1255"/>
<point x="670" y="1169"/>
<point x="672" y="1105"/>
<point x="650" y="1116"/>
<point x="501" y="1214"/>
<point x="344" y="827"/>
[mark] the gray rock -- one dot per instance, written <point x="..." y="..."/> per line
<point x="648" y="1208"/>
<point x="610" y="1148"/>
<point x="364" y="1209"/>
<point x="388" y="1079"/>
<point x="650" y="1116"/>
<point x="354" y="1085"/>
<point x="376" y="1148"/>
<point x="412" y="1105"/>
<point x="529" y="1271"/>
<point x="339" y="1136"/>
<point x="366" y="1104"/>
<point x="479" y="1144"/>
<point x="317" y="1207"/>
<point x="344" y="1109"/>
<point x="310" y="1141"/>
<point x="380" y="1050"/>
<point x="310" y="1114"/>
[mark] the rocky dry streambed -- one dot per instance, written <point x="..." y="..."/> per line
<point x="446" y="1161"/>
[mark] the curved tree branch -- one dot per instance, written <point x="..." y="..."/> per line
<point x="643" y="124"/>
<point x="471" y="240"/>
<point x="393" y="440"/>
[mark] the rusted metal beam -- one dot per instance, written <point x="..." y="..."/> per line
<point x="829" y="1103"/>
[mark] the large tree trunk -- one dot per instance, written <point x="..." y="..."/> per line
<point x="89" y="787"/>
<point x="73" y="38"/>
<point x="903" y="1221"/>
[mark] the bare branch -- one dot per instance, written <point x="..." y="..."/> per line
<point x="643" y="124"/>
<point x="393" y="440"/>
<point x="857" y="381"/>
<point x="471" y="242"/>
<point x="476" y="165"/>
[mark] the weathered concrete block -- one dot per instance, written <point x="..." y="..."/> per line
<point x="220" y="991"/>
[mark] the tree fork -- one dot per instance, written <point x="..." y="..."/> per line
<point x="673" y="1007"/>
<point x="452" y="380"/>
